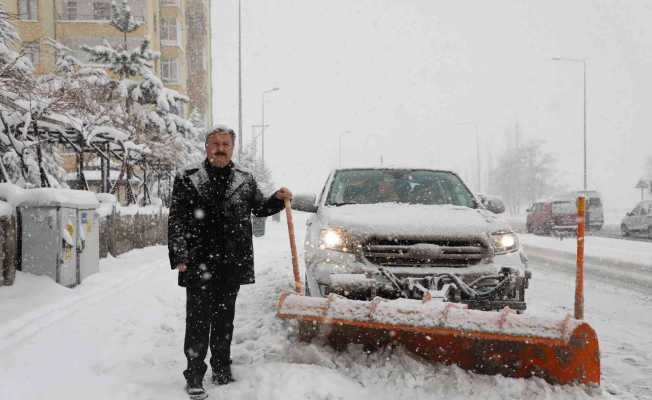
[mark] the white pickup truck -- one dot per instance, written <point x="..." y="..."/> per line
<point x="411" y="233"/>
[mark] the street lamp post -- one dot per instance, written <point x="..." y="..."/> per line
<point x="339" y="152"/>
<point x="583" y="62"/>
<point x="240" y="133"/>
<point x="262" y="125"/>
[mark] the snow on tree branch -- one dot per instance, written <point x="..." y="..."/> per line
<point x="122" y="19"/>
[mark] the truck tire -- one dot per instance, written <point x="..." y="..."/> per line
<point x="623" y="230"/>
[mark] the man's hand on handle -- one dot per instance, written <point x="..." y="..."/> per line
<point x="182" y="267"/>
<point x="284" y="194"/>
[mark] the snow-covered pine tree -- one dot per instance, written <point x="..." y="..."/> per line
<point x="122" y="19"/>
<point x="77" y="89"/>
<point x="16" y="82"/>
<point x="151" y="107"/>
<point x="197" y="120"/>
<point x="13" y="65"/>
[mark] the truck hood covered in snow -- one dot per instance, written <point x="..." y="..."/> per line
<point x="412" y="220"/>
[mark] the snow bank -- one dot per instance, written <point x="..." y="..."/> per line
<point x="107" y="203"/>
<point x="141" y="210"/>
<point x="606" y="249"/>
<point x="96" y="175"/>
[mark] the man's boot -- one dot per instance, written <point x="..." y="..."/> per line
<point x="195" y="388"/>
<point x="222" y="375"/>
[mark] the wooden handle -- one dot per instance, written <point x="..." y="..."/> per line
<point x="579" y="275"/>
<point x="293" y="249"/>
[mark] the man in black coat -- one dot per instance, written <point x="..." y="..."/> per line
<point x="209" y="242"/>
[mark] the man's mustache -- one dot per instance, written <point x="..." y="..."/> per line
<point x="219" y="154"/>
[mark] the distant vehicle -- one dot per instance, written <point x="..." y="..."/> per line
<point x="594" y="210"/>
<point x="393" y="233"/>
<point x="556" y="217"/>
<point x="639" y="220"/>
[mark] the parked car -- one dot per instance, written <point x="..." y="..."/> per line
<point x="639" y="220"/>
<point x="556" y="217"/>
<point x="410" y="233"/>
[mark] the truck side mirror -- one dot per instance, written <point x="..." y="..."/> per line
<point x="305" y="202"/>
<point x="494" y="205"/>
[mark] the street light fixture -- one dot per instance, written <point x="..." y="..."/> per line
<point x="583" y="62"/>
<point x="262" y="125"/>
<point x="340" y="148"/>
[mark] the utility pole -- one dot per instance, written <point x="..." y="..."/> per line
<point x="583" y="62"/>
<point x="240" y="141"/>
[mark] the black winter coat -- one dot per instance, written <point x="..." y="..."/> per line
<point x="213" y="236"/>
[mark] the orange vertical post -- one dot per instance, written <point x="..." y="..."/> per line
<point x="579" y="275"/>
<point x="293" y="248"/>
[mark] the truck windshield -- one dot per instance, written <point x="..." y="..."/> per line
<point x="563" y="207"/>
<point x="370" y="186"/>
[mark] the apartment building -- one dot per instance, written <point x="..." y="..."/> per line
<point x="178" y="29"/>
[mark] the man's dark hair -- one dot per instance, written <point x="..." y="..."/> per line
<point x="219" y="129"/>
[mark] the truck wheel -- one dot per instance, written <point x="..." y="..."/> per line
<point x="623" y="230"/>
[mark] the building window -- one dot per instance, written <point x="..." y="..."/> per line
<point x="33" y="52"/>
<point x="70" y="10"/>
<point x="169" y="71"/>
<point x="28" y="10"/>
<point x="169" y="3"/>
<point x="169" y="31"/>
<point x="101" y="10"/>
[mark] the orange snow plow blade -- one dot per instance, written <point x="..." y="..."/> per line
<point x="559" y="351"/>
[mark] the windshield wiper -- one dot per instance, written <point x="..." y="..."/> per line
<point x="344" y="203"/>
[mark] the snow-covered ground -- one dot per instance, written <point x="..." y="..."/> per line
<point x="119" y="335"/>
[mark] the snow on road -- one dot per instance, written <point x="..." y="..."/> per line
<point x="120" y="336"/>
<point x="599" y="248"/>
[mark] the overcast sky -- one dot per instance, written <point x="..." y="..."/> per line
<point x="412" y="79"/>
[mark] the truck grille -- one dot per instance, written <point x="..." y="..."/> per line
<point x="444" y="253"/>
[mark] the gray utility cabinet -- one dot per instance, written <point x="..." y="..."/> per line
<point x="60" y="236"/>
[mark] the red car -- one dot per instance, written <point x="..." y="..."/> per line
<point x="557" y="217"/>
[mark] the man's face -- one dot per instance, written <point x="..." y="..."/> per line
<point x="219" y="149"/>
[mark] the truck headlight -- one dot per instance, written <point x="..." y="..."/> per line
<point x="505" y="242"/>
<point x="334" y="239"/>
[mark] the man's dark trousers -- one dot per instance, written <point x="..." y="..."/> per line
<point x="209" y="319"/>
